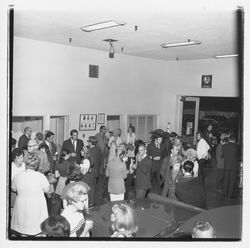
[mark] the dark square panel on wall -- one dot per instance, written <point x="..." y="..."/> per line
<point x="93" y="71"/>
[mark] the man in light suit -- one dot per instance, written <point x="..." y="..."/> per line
<point x="74" y="145"/>
<point x="24" y="139"/>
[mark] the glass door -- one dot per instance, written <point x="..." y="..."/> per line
<point x="189" y="118"/>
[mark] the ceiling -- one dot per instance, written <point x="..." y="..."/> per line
<point x="216" y="29"/>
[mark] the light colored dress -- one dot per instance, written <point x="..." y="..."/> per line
<point x="30" y="208"/>
<point x="131" y="140"/>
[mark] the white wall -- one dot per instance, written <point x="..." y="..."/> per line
<point x="52" y="79"/>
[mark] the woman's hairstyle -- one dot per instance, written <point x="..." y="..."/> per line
<point x="132" y="128"/>
<point x="176" y="159"/>
<point x="201" y="133"/>
<point x="75" y="190"/>
<point x="74" y="175"/>
<point x="55" y="226"/>
<point x="32" y="162"/>
<point x="44" y="146"/>
<point x="62" y="156"/>
<point x="124" y="218"/>
<point x="16" y="153"/>
<point x="202" y="226"/>
<point x="188" y="166"/>
<point x="39" y="136"/>
<point x="186" y="146"/>
<point x="191" y="154"/>
<point x="122" y="149"/>
<point x="92" y="140"/>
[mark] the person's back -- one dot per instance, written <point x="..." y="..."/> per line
<point x="230" y="154"/>
<point x="191" y="191"/>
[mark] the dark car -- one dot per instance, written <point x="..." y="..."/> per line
<point x="164" y="218"/>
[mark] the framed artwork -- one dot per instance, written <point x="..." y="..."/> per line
<point x="206" y="81"/>
<point x="87" y="122"/>
<point x="101" y="118"/>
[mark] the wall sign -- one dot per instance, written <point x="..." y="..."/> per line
<point x="87" y="122"/>
<point x="206" y="81"/>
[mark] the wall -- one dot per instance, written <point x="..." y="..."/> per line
<point x="52" y="79"/>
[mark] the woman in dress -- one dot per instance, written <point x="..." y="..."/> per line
<point x="116" y="171"/>
<point x="114" y="142"/>
<point x="30" y="208"/>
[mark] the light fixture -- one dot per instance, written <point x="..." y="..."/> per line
<point x="102" y="25"/>
<point x="111" y="47"/>
<point x="183" y="43"/>
<point x="225" y="56"/>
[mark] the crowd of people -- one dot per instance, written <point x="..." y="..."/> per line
<point x="41" y="173"/>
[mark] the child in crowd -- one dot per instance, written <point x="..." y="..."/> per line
<point x="123" y="221"/>
<point x="203" y="230"/>
<point x="55" y="226"/>
<point x="77" y="201"/>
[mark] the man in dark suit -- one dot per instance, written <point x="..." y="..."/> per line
<point x="49" y="141"/>
<point x="94" y="155"/>
<point x="230" y="153"/>
<point x="156" y="151"/>
<point x="74" y="145"/>
<point x="24" y="139"/>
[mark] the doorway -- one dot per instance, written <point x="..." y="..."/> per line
<point x="189" y="118"/>
<point x="59" y="126"/>
<point x="113" y="122"/>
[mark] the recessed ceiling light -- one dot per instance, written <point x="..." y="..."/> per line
<point x="102" y="25"/>
<point x="226" y="56"/>
<point x="183" y="43"/>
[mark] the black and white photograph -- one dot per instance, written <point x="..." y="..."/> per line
<point x="150" y="148"/>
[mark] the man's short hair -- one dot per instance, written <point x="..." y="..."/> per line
<point x="102" y="126"/>
<point x="188" y="166"/>
<point x="49" y="134"/>
<point x="73" y="131"/>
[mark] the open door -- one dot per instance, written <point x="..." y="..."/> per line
<point x="189" y="118"/>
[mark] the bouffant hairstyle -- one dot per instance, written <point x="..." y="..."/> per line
<point x="202" y="226"/>
<point x="32" y="162"/>
<point x="39" y="136"/>
<point x="56" y="226"/>
<point x="74" y="174"/>
<point x="124" y="218"/>
<point x="75" y="190"/>
<point x="92" y="140"/>
<point x="16" y="153"/>
<point x="176" y="159"/>
<point x="44" y="146"/>
<point x="191" y="154"/>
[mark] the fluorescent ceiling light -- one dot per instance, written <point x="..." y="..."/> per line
<point x="183" y="43"/>
<point x="226" y="56"/>
<point x="102" y="25"/>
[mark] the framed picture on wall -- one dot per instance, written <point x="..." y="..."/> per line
<point x="101" y="118"/>
<point x="206" y="81"/>
<point x="87" y="122"/>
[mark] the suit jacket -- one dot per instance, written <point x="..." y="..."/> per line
<point x="143" y="171"/>
<point x="23" y="142"/>
<point x="153" y="151"/>
<point x="192" y="191"/>
<point x="230" y="153"/>
<point x="67" y="144"/>
<point x="95" y="155"/>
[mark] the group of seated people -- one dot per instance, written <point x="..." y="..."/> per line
<point x="38" y="172"/>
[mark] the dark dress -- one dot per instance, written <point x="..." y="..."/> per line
<point x="230" y="153"/>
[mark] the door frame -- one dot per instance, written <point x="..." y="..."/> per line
<point x="197" y="109"/>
